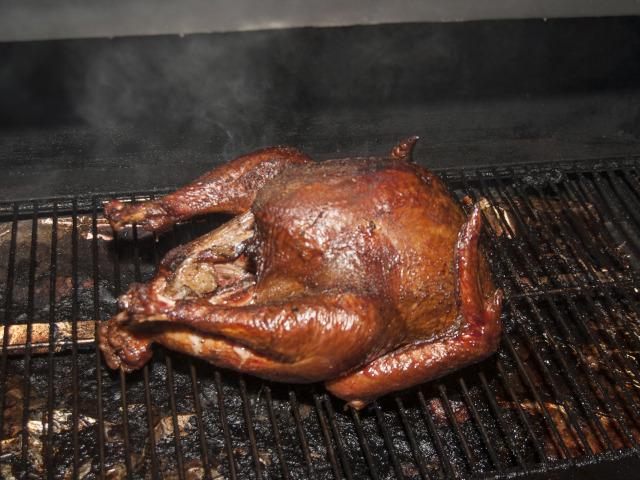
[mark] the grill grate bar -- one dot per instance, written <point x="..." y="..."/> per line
<point x="250" y="430"/>
<point x="626" y="359"/>
<point x="96" y="315"/>
<point x="604" y="331"/>
<point x="584" y="245"/>
<point x="225" y="426"/>
<point x="301" y="435"/>
<point x="125" y="424"/>
<point x="8" y="302"/>
<point x="583" y="198"/>
<point x="174" y="416"/>
<point x="470" y="457"/>
<point x="415" y="448"/>
<point x="600" y="189"/>
<point x="388" y="441"/>
<point x="150" y="423"/>
<point x="515" y="451"/>
<point x="547" y="374"/>
<point x="26" y="384"/>
<point x="147" y="388"/>
<point x="573" y="341"/>
<point x="192" y="369"/>
<point x="548" y="377"/>
<point x="578" y="231"/>
<point x="540" y="403"/>
<point x="593" y="196"/>
<point x="373" y="471"/>
<point x="450" y="472"/>
<point x="338" y="438"/>
<point x="276" y="434"/>
<point x="567" y="330"/>
<point x="608" y="255"/>
<point x="123" y="381"/>
<point x="478" y="421"/>
<point x="632" y="184"/>
<point x="198" y="409"/>
<point x="569" y="412"/>
<point x="612" y="305"/>
<point x="74" y="337"/>
<point x="48" y="427"/>
<point x="631" y="205"/>
<point x="505" y="258"/>
<point x="327" y="436"/>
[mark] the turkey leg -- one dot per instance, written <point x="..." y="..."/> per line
<point x="229" y="188"/>
<point x="477" y="338"/>
<point x="128" y="346"/>
<point x="314" y="334"/>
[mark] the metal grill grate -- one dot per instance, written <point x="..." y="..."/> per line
<point x="563" y="389"/>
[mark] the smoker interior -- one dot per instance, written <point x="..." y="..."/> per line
<point x="536" y="120"/>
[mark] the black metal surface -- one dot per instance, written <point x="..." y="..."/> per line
<point x="155" y="112"/>
<point x="561" y="394"/>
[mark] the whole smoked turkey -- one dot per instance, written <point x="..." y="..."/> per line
<point x="363" y="273"/>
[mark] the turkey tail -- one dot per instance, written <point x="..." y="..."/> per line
<point x="473" y="306"/>
<point x="404" y="150"/>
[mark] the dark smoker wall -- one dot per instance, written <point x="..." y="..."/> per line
<point x="46" y="20"/>
<point x="102" y="115"/>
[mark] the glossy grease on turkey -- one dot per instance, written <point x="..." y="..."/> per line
<point x="363" y="273"/>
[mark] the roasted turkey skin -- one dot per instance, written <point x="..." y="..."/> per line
<point x="364" y="273"/>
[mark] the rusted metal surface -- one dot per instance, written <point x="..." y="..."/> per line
<point x="37" y="337"/>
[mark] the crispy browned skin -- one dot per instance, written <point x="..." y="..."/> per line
<point x="363" y="273"/>
<point x="230" y="188"/>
